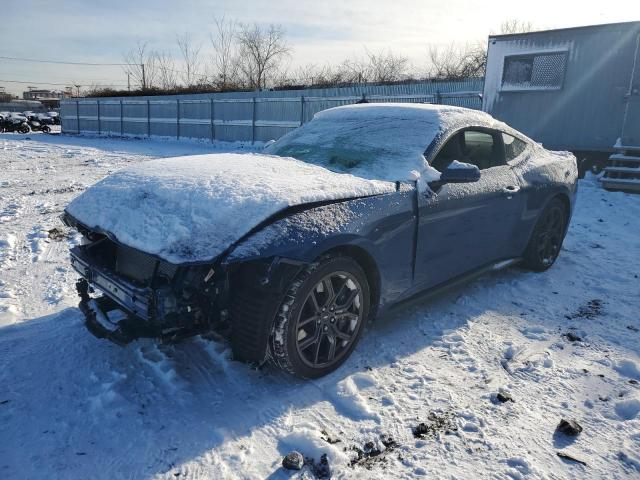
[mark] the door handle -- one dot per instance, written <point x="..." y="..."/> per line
<point x="510" y="190"/>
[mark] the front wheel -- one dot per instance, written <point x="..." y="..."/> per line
<point x="24" y="129"/>
<point x="546" y="239"/>
<point x="46" y="129"/>
<point x="321" y="318"/>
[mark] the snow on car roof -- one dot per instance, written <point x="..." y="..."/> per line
<point x="190" y="209"/>
<point x="383" y="141"/>
<point x="397" y="111"/>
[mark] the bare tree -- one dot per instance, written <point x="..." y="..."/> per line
<point x="513" y="25"/>
<point x="167" y="72"/>
<point x="386" y="66"/>
<point x="314" y="75"/>
<point x="225" y="54"/>
<point x="354" y="70"/>
<point x="141" y="65"/>
<point x="456" y="62"/>
<point x="190" y="58"/>
<point x="262" y="50"/>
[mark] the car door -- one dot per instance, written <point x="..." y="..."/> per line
<point x="462" y="227"/>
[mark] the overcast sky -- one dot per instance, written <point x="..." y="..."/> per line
<point x="320" y="31"/>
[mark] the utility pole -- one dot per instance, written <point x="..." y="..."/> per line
<point x="144" y="80"/>
<point x="128" y="81"/>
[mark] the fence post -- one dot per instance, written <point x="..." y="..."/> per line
<point x="301" y="109"/>
<point x="253" y="122"/>
<point x="213" y="126"/>
<point x="98" y="106"/>
<point x="148" y="119"/>
<point x="177" y="119"/>
<point x="438" y="97"/>
<point x="78" y="115"/>
<point x="121" y="120"/>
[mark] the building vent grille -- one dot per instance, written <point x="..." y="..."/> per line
<point x="539" y="71"/>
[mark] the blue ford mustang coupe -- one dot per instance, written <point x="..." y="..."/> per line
<point x="291" y="251"/>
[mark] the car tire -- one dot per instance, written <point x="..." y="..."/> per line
<point x="547" y="237"/>
<point x="321" y="317"/>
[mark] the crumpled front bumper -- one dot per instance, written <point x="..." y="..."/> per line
<point x="125" y="312"/>
<point x="97" y="319"/>
<point x="138" y="301"/>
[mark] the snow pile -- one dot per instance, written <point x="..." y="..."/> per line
<point x="306" y="438"/>
<point x="190" y="209"/>
<point x="347" y="399"/>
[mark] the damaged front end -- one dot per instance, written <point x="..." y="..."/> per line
<point x="126" y="294"/>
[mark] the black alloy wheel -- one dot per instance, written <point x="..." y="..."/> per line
<point x="546" y="240"/>
<point x="321" y="318"/>
<point x="329" y="319"/>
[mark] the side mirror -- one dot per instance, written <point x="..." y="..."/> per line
<point x="458" y="172"/>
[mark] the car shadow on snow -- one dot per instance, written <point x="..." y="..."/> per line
<point x="80" y="402"/>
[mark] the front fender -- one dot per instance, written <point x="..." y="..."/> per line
<point x="383" y="226"/>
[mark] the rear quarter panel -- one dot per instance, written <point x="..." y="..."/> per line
<point x="543" y="175"/>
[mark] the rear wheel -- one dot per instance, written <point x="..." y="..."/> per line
<point x="321" y="318"/>
<point x="546" y="239"/>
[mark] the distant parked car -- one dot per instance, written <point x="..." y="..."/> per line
<point x="55" y="117"/>
<point x="292" y="256"/>
<point x="14" y="122"/>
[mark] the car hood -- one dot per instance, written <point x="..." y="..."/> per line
<point x="191" y="209"/>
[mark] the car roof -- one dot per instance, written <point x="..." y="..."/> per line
<point x="447" y="117"/>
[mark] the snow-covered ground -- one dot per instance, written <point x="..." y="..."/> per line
<point x="563" y="344"/>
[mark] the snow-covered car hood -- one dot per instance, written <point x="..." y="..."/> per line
<point x="191" y="209"/>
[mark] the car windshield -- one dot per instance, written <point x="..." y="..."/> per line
<point x="376" y="143"/>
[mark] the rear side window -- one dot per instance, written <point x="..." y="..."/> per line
<point x="513" y="147"/>
<point x="480" y="149"/>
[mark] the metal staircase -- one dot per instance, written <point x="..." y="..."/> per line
<point x="623" y="172"/>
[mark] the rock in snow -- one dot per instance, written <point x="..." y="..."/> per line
<point x="293" y="461"/>
<point x="504" y="396"/>
<point x="569" y="427"/>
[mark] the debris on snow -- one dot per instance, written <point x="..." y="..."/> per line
<point x="503" y="396"/>
<point x="592" y="309"/>
<point x="435" y="424"/>
<point x="329" y="438"/>
<point x="57" y="234"/>
<point x="569" y="427"/>
<point x="321" y="469"/>
<point x="570" y="457"/>
<point x="572" y="337"/>
<point x="373" y="452"/>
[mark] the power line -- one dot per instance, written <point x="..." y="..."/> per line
<point x="64" y="84"/>
<point x="59" y="62"/>
<point x="130" y="65"/>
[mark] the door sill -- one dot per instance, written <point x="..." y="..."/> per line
<point x="458" y="281"/>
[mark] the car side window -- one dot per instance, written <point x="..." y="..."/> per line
<point x="452" y="150"/>
<point x="481" y="149"/>
<point x="513" y="147"/>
